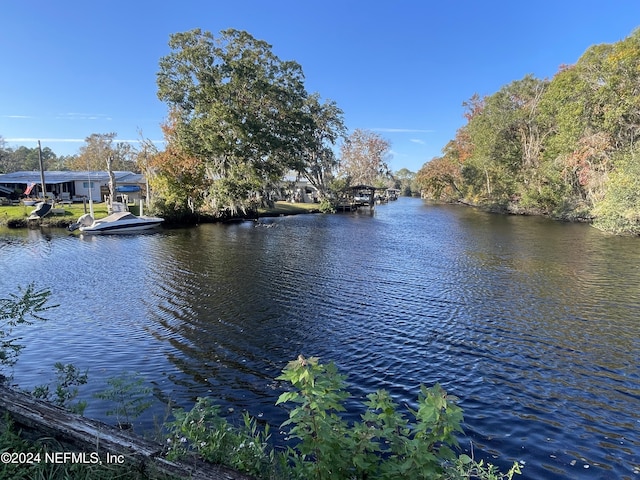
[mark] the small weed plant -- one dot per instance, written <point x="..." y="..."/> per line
<point x="23" y="308"/>
<point x="129" y="395"/>
<point x="68" y="378"/>
<point x="204" y="431"/>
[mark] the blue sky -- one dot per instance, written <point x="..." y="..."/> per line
<point x="400" y="68"/>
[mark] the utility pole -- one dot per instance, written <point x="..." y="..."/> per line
<point x="44" y="186"/>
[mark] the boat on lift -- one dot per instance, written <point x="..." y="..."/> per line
<point x="121" y="220"/>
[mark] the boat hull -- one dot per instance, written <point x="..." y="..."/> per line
<point x="121" y="222"/>
<point x="105" y="229"/>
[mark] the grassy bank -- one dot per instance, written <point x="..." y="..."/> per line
<point x="15" y="216"/>
<point x="288" y="208"/>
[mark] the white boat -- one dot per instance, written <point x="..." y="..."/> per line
<point x="118" y="222"/>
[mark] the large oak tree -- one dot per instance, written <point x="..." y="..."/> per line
<point x="238" y="110"/>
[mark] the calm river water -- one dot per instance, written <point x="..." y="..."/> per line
<point x="534" y="325"/>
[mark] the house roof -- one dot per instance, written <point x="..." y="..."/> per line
<point x="53" y="177"/>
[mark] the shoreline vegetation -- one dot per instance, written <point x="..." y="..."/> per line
<point x="564" y="147"/>
<point x="44" y="439"/>
<point x="15" y="216"/>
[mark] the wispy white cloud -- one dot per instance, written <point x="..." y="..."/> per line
<point x="417" y="140"/>
<point x="51" y="140"/>
<point x="83" y="116"/>
<point x="401" y="130"/>
<point x="68" y="116"/>
<point x="69" y="140"/>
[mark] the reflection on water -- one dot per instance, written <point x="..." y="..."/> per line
<point x="533" y="324"/>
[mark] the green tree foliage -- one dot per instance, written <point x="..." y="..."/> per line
<point x="405" y="181"/>
<point x="4" y="165"/>
<point x="24" y="158"/>
<point x="507" y="140"/>
<point x="319" y="161"/>
<point x="594" y="108"/>
<point x="552" y="146"/>
<point x="238" y="110"/>
<point x="619" y="211"/>
<point x="98" y="148"/>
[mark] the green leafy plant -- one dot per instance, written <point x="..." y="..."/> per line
<point x="130" y="396"/>
<point x="323" y="449"/>
<point x="22" y="309"/>
<point x="326" y="206"/>
<point x="619" y="211"/>
<point x="202" y="430"/>
<point x="68" y="378"/>
<point x="384" y="445"/>
<point x="466" y="467"/>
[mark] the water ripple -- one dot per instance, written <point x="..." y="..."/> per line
<point x="532" y="324"/>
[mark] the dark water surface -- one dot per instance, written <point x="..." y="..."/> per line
<point x="534" y="325"/>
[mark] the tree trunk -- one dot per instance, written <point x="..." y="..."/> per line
<point x="39" y="420"/>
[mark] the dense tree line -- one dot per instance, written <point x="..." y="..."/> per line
<point x="565" y="147"/>
<point x="24" y="158"/>
<point x="93" y="155"/>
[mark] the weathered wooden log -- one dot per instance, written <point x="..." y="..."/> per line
<point x="38" y="419"/>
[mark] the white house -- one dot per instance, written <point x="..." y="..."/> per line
<point x="72" y="185"/>
<point x="296" y="188"/>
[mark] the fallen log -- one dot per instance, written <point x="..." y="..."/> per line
<point x="37" y="419"/>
